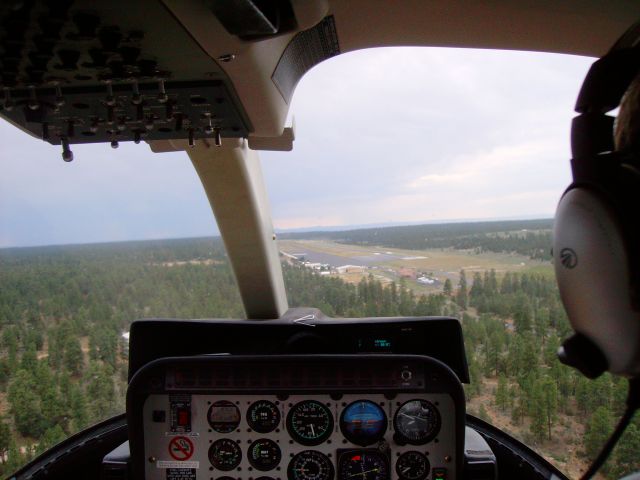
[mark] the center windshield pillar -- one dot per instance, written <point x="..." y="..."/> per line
<point x="232" y="179"/>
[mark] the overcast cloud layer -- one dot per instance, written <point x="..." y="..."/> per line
<point x="387" y="135"/>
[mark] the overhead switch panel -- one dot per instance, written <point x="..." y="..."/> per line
<point x="86" y="72"/>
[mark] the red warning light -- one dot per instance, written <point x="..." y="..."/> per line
<point x="356" y="458"/>
<point x="183" y="418"/>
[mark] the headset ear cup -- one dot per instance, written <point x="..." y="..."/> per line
<point x="592" y="270"/>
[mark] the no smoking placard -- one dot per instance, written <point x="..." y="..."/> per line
<point x="181" y="448"/>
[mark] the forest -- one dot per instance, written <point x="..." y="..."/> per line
<point x="531" y="238"/>
<point x="63" y="359"/>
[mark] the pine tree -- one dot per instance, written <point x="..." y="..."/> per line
<point x="25" y="405"/>
<point x="78" y="408"/>
<point x="597" y="431"/>
<point x="51" y="437"/>
<point x="502" y="393"/>
<point x="477" y="288"/>
<point x="73" y="357"/>
<point x="448" y="288"/>
<point x="15" y="459"/>
<point x="627" y="458"/>
<point x="550" y="402"/>
<point x="537" y="412"/>
<point x="29" y="360"/>
<point x="492" y="287"/>
<point x="5" y="439"/>
<point x="462" y="296"/>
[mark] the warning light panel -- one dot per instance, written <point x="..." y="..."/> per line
<point x="181" y="413"/>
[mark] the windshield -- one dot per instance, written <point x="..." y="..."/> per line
<point x="423" y="189"/>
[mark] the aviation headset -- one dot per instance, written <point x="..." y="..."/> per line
<point x="596" y="235"/>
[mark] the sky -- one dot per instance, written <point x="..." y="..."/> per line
<point x="382" y="136"/>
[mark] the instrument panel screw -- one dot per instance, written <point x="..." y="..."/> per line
<point x="226" y="58"/>
<point x="447" y="458"/>
<point x="152" y="459"/>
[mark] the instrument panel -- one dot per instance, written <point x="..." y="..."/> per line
<point x="302" y="437"/>
<point x="407" y="429"/>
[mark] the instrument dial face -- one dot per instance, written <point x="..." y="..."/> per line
<point x="417" y="422"/>
<point x="225" y="454"/>
<point x="310" y="465"/>
<point x="363" y="465"/>
<point x="413" y="466"/>
<point x="223" y="416"/>
<point x="264" y="454"/>
<point x="263" y="416"/>
<point x="363" y="422"/>
<point x="310" y="422"/>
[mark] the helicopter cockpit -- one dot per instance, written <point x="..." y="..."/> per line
<point x="287" y="392"/>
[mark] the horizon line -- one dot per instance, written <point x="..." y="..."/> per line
<point x="315" y="229"/>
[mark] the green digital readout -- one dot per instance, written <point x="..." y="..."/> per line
<point x="374" y="344"/>
<point x="382" y="343"/>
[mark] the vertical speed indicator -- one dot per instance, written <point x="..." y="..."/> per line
<point x="310" y="422"/>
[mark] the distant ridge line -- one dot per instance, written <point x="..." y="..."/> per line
<point x="476" y="226"/>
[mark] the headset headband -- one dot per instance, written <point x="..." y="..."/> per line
<point x="602" y="90"/>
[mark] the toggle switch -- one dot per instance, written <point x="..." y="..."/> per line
<point x="67" y="154"/>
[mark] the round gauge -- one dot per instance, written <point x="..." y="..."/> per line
<point x="417" y="422"/>
<point x="310" y="465"/>
<point x="310" y="422"/>
<point x="413" y="466"/>
<point x="363" y="465"/>
<point x="264" y="454"/>
<point x="225" y="454"/>
<point x="363" y="422"/>
<point x="263" y="416"/>
<point x="223" y="416"/>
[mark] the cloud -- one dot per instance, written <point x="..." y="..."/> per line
<point x="472" y="169"/>
<point x="469" y="127"/>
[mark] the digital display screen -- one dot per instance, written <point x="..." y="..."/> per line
<point x="375" y="344"/>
